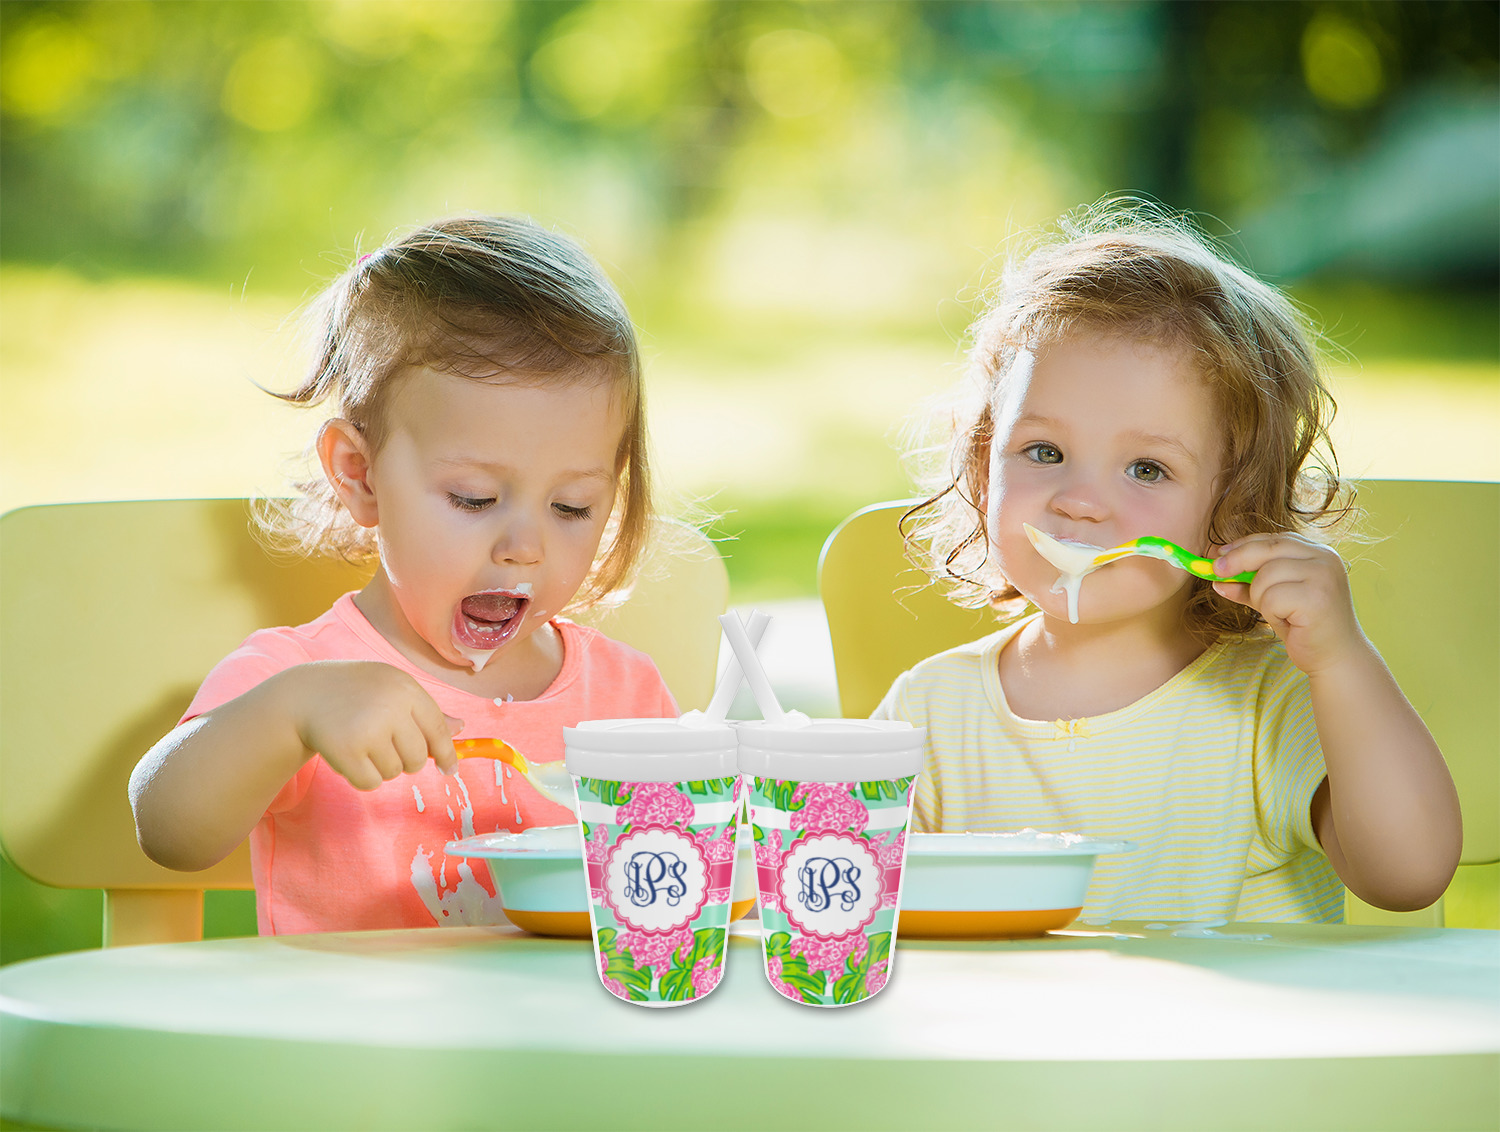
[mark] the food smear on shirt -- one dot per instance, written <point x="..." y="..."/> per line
<point x="467" y="902"/>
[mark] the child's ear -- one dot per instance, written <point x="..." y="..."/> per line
<point x="346" y="462"/>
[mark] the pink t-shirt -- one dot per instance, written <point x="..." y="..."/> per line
<point x="328" y="857"/>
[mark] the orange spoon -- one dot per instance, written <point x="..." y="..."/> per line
<point x="551" y="780"/>
<point x="492" y="749"/>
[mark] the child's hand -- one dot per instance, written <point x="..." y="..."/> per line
<point x="370" y="721"/>
<point x="1302" y="590"/>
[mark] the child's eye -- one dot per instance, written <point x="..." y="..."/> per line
<point x="1044" y="453"/>
<point x="468" y="502"/>
<point x="1147" y="471"/>
<point x="568" y="512"/>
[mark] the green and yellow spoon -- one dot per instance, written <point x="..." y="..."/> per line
<point x="1149" y="546"/>
<point x="1075" y="559"/>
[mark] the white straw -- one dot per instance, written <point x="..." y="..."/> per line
<point x="765" y="699"/>
<point x="729" y="682"/>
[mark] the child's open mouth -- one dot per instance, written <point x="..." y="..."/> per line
<point x="485" y="621"/>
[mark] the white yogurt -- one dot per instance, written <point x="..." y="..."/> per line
<point x="1074" y="560"/>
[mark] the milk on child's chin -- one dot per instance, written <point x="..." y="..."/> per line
<point x="1074" y="561"/>
<point x="477" y="658"/>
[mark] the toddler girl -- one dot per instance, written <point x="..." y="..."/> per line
<point x="1247" y="737"/>
<point x="488" y="449"/>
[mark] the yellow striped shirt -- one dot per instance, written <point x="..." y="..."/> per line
<point x="1211" y="776"/>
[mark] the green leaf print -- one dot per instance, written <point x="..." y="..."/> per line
<point x="851" y="987"/>
<point x="711" y="788"/>
<point x="620" y="966"/>
<point x="794" y="973"/>
<point x="809" y="984"/>
<point x="778" y="792"/>
<point x="892" y="788"/>
<point x="605" y="790"/>
<point x="677" y="983"/>
<point x="708" y="944"/>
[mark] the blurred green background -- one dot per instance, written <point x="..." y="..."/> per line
<point x="803" y="204"/>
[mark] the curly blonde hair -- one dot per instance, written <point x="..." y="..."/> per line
<point x="1134" y="271"/>
<point x="492" y="298"/>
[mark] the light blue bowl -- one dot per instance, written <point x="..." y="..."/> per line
<point x="996" y="885"/>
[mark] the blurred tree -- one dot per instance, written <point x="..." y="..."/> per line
<point x="196" y="137"/>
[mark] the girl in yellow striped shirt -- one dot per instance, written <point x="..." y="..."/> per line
<point x="1131" y="381"/>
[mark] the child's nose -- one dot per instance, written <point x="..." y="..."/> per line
<point x="519" y="540"/>
<point x="1080" y="499"/>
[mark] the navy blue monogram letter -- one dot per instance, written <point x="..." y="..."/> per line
<point x="825" y="879"/>
<point x="649" y="875"/>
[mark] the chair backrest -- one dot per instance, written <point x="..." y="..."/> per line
<point x="112" y="613"/>
<point x="1426" y="591"/>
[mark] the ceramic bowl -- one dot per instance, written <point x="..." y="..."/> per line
<point x="996" y="885"/>
<point x="540" y="877"/>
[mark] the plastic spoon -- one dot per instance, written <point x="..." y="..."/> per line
<point x="1076" y="559"/>
<point x="551" y="780"/>
<point x="1147" y="546"/>
<point x="765" y="699"/>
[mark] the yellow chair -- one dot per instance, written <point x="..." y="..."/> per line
<point x="112" y="613"/>
<point x="1427" y="595"/>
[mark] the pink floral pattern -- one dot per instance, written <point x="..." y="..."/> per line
<point x="596" y="848"/>
<point x="706" y="976"/>
<point x="614" y="986"/>
<point x="656" y="803"/>
<point x="889" y="856"/>
<point x="768" y="853"/>
<point x="889" y="853"/>
<point x="655" y="949"/>
<point x="717" y="844"/>
<point x="876" y="976"/>
<point x="773" y="972"/>
<point x="828" y="807"/>
<point x="831" y="954"/>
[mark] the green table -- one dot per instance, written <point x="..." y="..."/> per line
<point x="1128" y="1026"/>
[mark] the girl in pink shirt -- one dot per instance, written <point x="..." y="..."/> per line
<point x="488" y="451"/>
